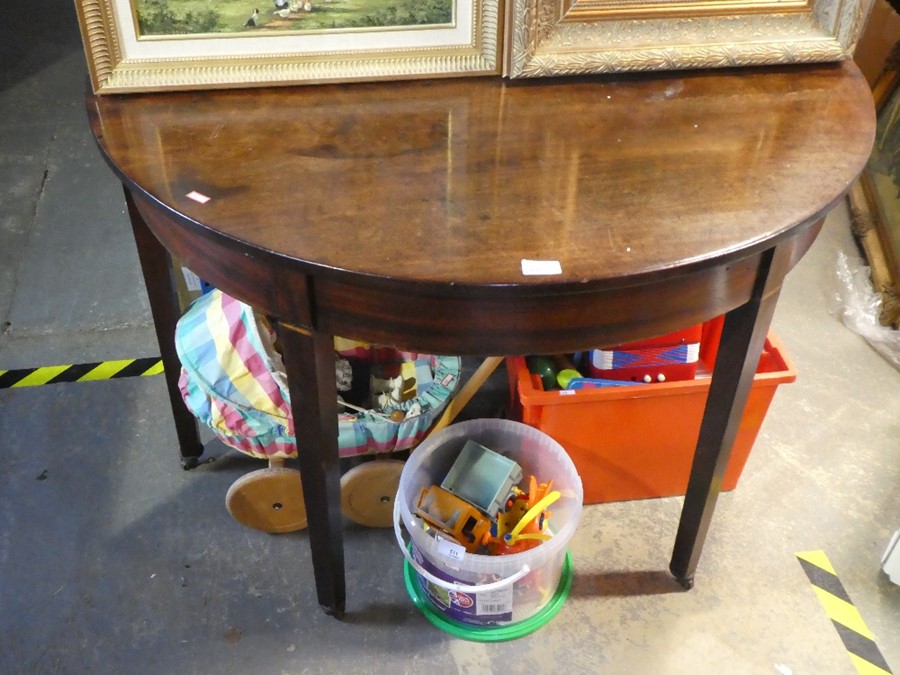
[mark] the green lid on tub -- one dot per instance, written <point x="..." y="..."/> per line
<point x="511" y="631"/>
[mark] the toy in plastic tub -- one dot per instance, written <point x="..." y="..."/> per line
<point x="233" y="380"/>
<point x="485" y="596"/>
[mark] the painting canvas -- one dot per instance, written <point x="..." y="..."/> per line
<point x="149" y="45"/>
<point x="159" y="18"/>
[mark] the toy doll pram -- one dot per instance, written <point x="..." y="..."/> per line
<point x="233" y="380"/>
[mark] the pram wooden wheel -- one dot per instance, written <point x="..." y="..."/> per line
<point x="269" y="499"/>
<point x="368" y="492"/>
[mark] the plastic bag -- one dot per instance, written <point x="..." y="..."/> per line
<point x="858" y="306"/>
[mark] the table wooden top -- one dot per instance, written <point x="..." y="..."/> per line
<point x="456" y="181"/>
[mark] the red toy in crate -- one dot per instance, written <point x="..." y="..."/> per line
<point x="665" y="358"/>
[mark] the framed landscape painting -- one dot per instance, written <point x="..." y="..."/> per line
<point x="152" y="45"/>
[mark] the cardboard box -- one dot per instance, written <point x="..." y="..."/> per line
<point x="882" y="32"/>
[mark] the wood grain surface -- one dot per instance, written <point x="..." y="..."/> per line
<point x="455" y="182"/>
<point x="401" y="213"/>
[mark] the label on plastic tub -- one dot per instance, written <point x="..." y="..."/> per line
<point x="451" y="550"/>
<point x="477" y="609"/>
<point x="494" y="602"/>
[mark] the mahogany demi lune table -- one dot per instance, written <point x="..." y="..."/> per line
<point x="401" y="213"/>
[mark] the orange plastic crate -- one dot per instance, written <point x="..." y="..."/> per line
<point x="638" y="442"/>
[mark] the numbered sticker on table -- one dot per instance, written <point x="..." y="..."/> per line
<point x="191" y="280"/>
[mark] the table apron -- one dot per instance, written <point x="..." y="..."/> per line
<point x="463" y="321"/>
<point x="263" y="280"/>
<point x="505" y="321"/>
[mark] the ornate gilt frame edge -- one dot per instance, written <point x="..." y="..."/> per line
<point x="112" y="73"/>
<point x="540" y="44"/>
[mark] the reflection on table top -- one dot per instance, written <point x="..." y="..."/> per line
<point x="459" y="180"/>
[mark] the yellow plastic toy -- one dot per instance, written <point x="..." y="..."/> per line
<point x="522" y="526"/>
<point x="453" y="516"/>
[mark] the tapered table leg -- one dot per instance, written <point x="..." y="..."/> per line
<point x="309" y="362"/>
<point x="164" y="306"/>
<point x="743" y="337"/>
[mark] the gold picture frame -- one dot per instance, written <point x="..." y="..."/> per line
<point x="191" y="51"/>
<point x="570" y="37"/>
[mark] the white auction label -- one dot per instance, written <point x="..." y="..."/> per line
<point x="450" y="549"/>
<point x="540" y="267"/>
<point x="191" y="280"/>
<point x="197" y="197"/>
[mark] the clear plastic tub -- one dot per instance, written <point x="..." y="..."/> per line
<point x="484" y="590"/>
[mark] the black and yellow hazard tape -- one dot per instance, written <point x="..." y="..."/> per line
<point x="857" y="638"/>
<point x="80" y="372"/>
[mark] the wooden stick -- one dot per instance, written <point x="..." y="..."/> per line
<point x="458" y="402"/>
<point x="390" y="417"/>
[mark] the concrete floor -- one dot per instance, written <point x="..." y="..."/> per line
<point x="114" y="560"/>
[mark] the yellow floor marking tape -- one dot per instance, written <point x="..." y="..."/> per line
<point x="857" y="638"/>
<point x="39" y="376"/>
<point x="103" y="371"/>
<point x="842" y="612"/>
<point x="80" y="372"/>
<point x="819" y="559"/>
<point x="156" y="369"/>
